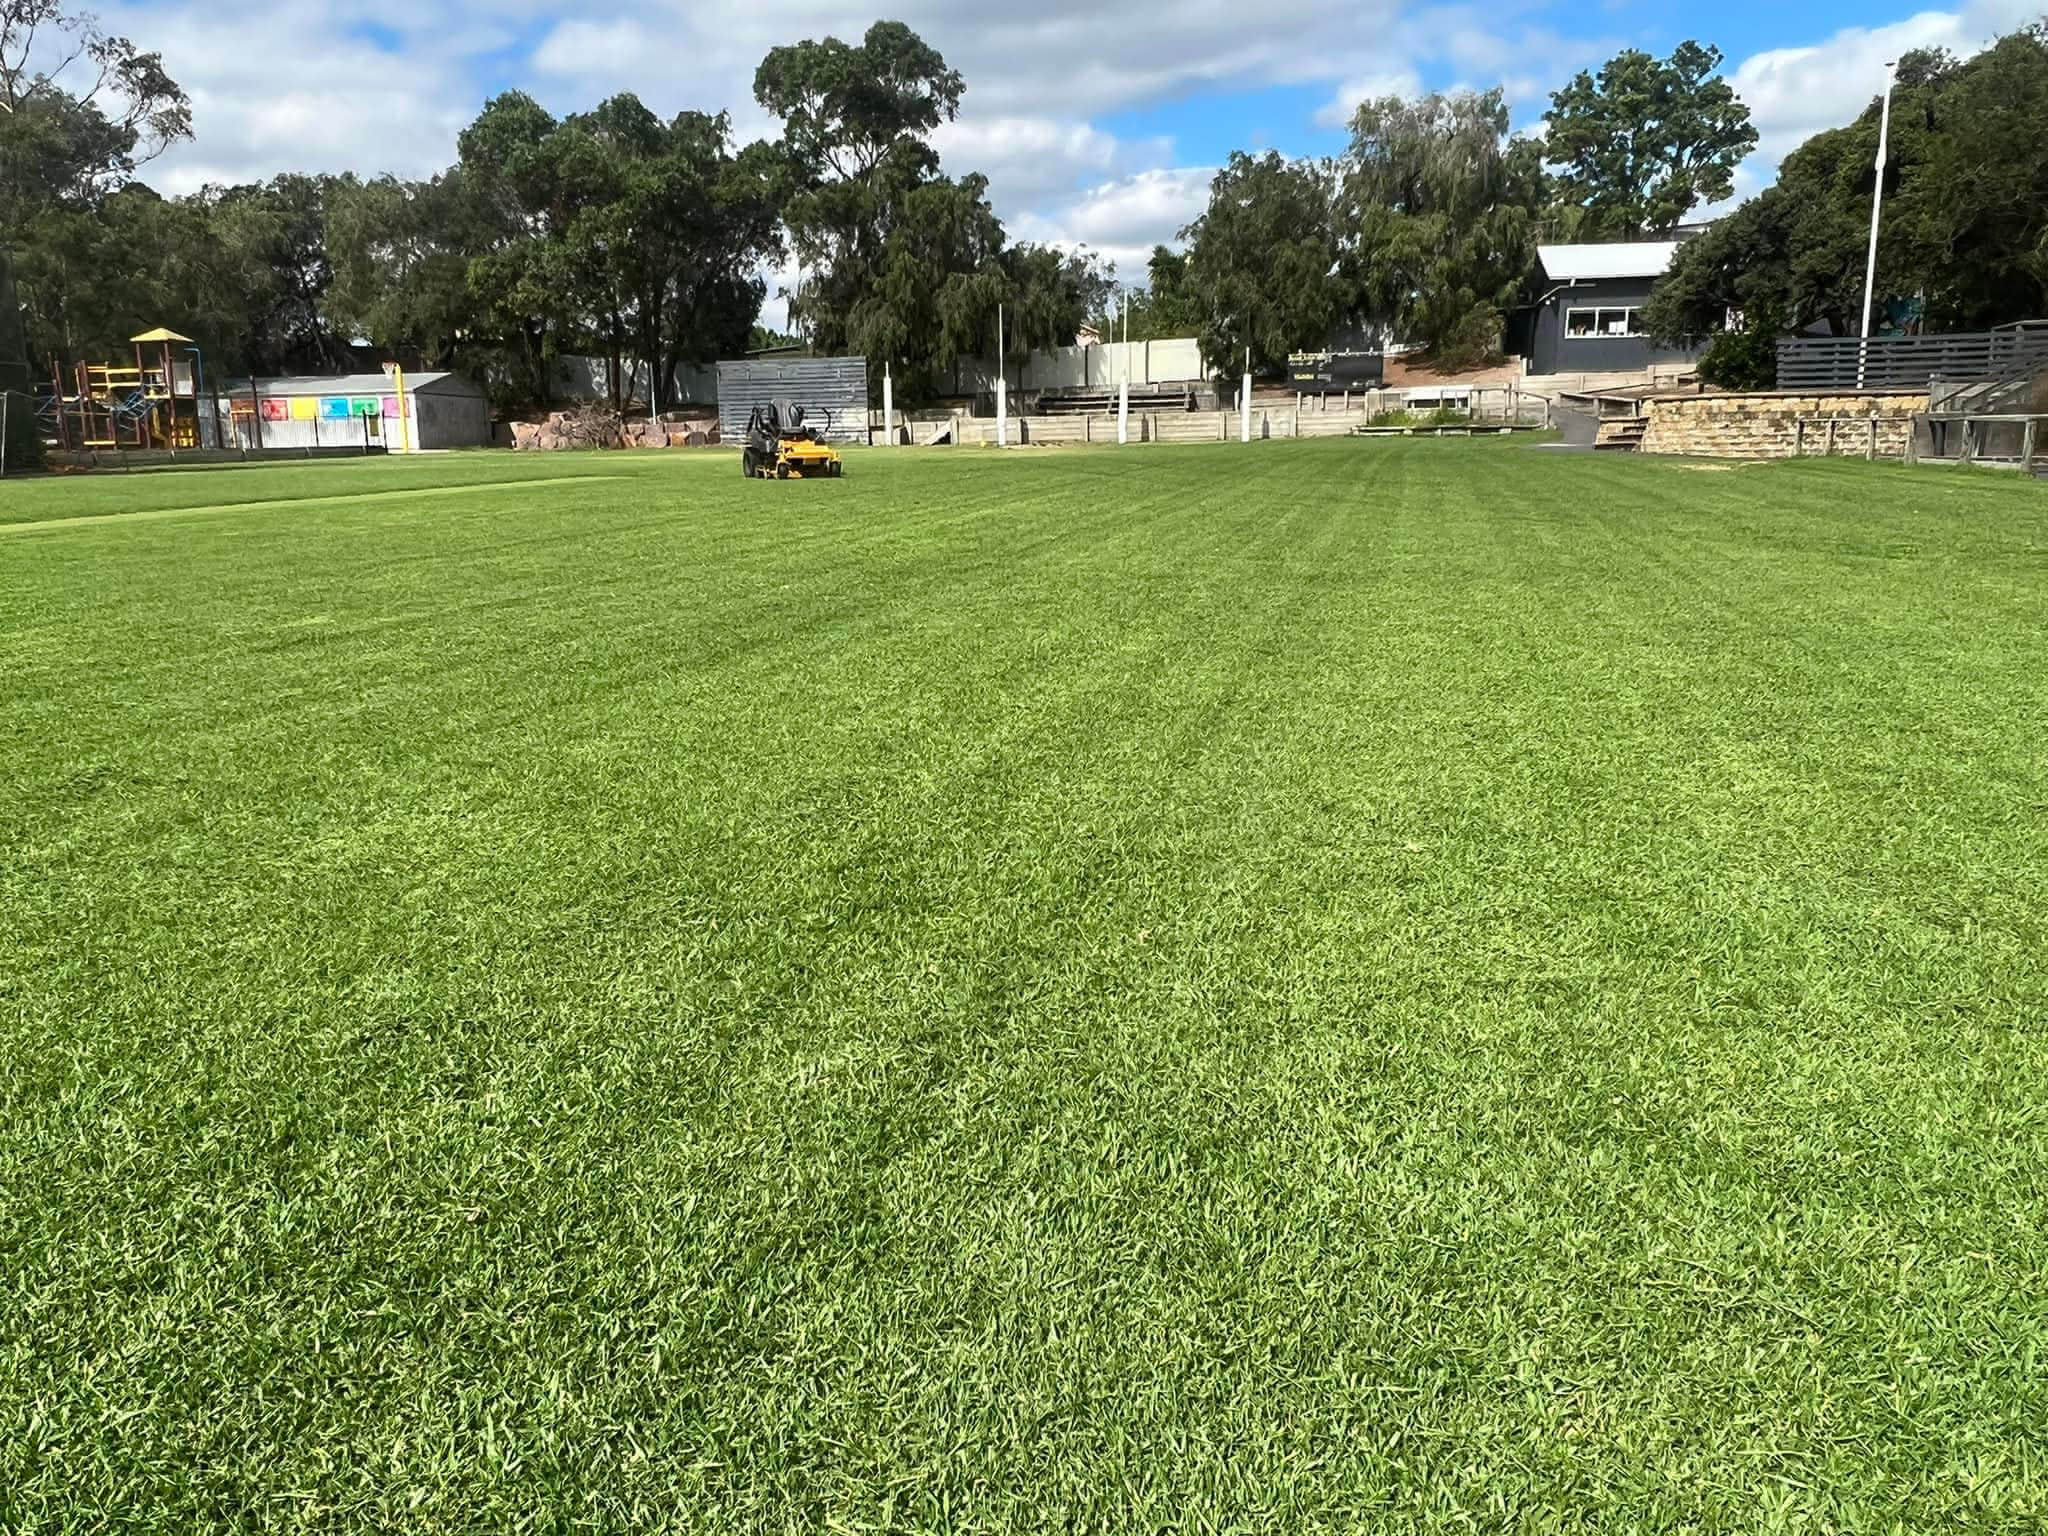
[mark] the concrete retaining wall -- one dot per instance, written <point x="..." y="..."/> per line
<point x="589" y="378"/>
<point x="1102" y="365"/>
<point x="1766" y="426"/>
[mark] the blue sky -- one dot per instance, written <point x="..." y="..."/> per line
<point x="1096" y="125"/>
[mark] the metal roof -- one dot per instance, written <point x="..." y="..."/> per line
<point x="1592" y="263"/>
<point x="349" y="384"/>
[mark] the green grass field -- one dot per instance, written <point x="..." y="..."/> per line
<point x="1333" y="986"/>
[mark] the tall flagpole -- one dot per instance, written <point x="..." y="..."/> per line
<point x="1884" y="133"/>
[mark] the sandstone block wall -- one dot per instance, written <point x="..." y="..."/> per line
<point x="551" y="435"/>
<point x="1765" y="426"/>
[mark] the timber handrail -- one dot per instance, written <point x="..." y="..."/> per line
<point x="2032" y="437"/>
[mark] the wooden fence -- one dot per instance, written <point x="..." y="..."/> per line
<point x="1909" y="362"/>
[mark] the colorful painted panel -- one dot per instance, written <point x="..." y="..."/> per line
<point x="364" y="405"/>
<point x="276" y="410"/>
<point x="391" y="405"/>
<point x="305" y="408"/>
<point x="334" y="407"/>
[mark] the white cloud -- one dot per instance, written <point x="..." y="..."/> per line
<point x="1122" y="220"/>
<point x="292" y="89"/>
<point x="1030" y="159"/>
<point x="1141" y="209"/>
<point x="596" y="50"/>
<point x="1336" y="113"/>
<point x="1794" y="93"/>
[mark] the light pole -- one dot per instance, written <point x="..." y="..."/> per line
<point x="1884" y="133"/>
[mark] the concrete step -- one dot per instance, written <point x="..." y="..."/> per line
<point x="1621" y="435"/>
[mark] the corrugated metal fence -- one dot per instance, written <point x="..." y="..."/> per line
<point x="832" y="390"/>
<point x="1907" y="362"/>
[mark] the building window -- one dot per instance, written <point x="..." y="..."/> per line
<point x="1589" y="324"/>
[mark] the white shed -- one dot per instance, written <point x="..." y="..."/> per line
<point x="398" y="413"/>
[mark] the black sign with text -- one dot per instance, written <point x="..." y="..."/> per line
<point x="1327" y="373"/>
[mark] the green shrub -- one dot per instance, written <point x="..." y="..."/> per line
<point x="1442" y="416"/>
<point x="1745" y="359"/>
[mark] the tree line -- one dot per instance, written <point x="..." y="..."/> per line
<point x="622" y="234"/>
<point x="613" y="232"/>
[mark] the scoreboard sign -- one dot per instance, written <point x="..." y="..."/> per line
<point x="1329" y="373"/>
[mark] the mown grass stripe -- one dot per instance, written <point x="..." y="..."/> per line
<point x="271" y="503"/>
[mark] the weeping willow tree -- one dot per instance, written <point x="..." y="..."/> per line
<point x="1437" y="219"/>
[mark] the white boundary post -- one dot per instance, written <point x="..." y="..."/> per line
<point x="1244" y="406"/>
<point x="888" y="407"/>
<point x="1123" y="388"/>
<point x="1002" y="387"/>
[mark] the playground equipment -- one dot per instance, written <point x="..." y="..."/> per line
<point x="155" y="404"/>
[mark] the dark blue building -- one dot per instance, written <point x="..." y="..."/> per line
<point x="1589" y="315"/>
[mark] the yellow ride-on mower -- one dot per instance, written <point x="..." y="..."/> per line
<point x="780" y="447"/>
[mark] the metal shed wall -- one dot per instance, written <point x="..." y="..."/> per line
<point x="838" y="385"/>
<point x="450" y="418"/>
